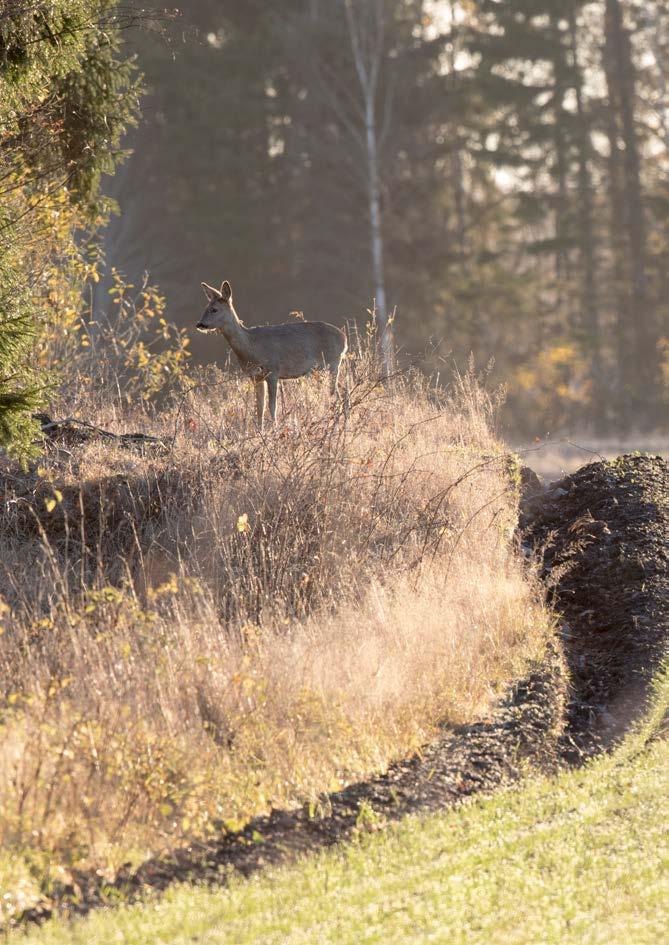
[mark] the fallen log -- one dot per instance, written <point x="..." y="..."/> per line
<point x="73" y="432"/>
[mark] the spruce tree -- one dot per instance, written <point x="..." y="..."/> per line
<point x="66" y="94"/>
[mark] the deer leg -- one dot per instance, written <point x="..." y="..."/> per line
<point x="260" y="401"/>
<point x="272" y="386"/>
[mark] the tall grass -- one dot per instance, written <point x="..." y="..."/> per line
<point x="240" y="620"/>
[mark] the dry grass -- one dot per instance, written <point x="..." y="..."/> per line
<point x="242" y="621"/>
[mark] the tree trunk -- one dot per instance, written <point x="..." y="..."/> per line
<point x="621" y="82"/>
<point x="368" y="48"/>
<point x="376" y="233"/>
<point x="659" y="52"/>
<point x="457" y="169"/>
<point x="562" y="273"/>
<point x="588" y="252"/>
<point x="619" y="269"/>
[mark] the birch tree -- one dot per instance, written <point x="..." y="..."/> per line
<point x="350" y="74"/>
<point x="366" y="23"/>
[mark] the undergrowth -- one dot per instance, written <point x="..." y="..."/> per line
<point x="232" y="621"/>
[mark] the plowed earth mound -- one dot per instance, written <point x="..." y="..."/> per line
<point x="603" y="537"/>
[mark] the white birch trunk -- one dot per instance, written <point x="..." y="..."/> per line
<point x="368" y="51"/>
<point x="376" y="236"/>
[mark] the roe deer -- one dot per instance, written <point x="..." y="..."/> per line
<point x="270" y="353"/>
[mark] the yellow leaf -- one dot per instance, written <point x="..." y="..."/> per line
<point x="243" y="523"/>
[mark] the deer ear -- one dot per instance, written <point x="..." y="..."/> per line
<point x="226" y="291"/>
<point x="210" y="291"/>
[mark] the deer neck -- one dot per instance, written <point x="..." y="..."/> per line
<point x="237" y="336"/>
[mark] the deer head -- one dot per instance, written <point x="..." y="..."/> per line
<point x="219" y="312"/>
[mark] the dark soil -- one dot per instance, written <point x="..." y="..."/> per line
<point x="603" y="537"/>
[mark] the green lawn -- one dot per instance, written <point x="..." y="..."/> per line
<point x="583" y="858"/>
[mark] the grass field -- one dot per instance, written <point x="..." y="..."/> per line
<point x="580" y="859"/>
